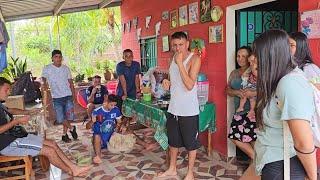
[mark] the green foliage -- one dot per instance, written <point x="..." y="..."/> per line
<point x="15" y="68"/>
<point x="85" y="37"/>
<point x="89" y="71"/>
<point x="79" y="78"/>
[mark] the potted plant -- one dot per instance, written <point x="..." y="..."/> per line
<point x="79" y="78"/>
<point x="107" y="71"/>
<point x="15" y="69"/>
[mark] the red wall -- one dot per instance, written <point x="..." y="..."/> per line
<point x="214" y="65"/>
<point x="314" y="43"/>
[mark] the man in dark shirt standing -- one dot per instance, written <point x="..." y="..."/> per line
<point x="95" y="95"/>
<point x="31" y="145"/>
<point x="129" y="80"/>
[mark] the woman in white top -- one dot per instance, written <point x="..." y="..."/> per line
<point x="302" y="55"/>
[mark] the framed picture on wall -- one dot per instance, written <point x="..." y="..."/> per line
<point x="165" y="15"/>
<point x="174" y="19"/>
<point x="216" y="34"/>
<point x="165" y="44"/>
<point x="183" y="15"/>
<point x="205" y="11"/>
<point x="193" y="13"/>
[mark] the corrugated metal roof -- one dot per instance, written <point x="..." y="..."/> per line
<point x="12" y="10"/>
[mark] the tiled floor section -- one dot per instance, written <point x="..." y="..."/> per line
<point x="138" y="164"/>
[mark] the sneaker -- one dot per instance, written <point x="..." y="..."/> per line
<point x="74" y="133"/>
<point x="66" y="138"/>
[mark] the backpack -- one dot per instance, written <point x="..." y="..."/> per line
<point x="25" y="86"/>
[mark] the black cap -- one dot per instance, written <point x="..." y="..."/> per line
<point x="97" y="76"/>
<point x="54" y="52"/>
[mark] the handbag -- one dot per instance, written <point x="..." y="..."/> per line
<point x="17" y="130"/>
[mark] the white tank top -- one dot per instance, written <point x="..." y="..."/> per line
<point x="182" y="102"/>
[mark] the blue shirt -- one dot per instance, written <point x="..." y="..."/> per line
<point x="106" y="126"/>
<point x="129" y="73"/>
<point x="99" y="96"/>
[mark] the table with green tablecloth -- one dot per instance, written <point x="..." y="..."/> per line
<point x="153" y="116"/>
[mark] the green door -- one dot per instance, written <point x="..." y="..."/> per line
<point x="148" y="48"/>
<point x="252" y="23"/>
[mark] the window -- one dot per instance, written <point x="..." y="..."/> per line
<point x="148" y="53"/>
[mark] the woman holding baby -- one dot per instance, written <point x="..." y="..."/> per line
<point x="241" y="86"/>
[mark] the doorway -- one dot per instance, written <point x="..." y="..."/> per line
<point x="148" y="53"/>
<point x="248" y="20"/>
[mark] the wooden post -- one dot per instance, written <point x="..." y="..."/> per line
<point x="209" y="143"/>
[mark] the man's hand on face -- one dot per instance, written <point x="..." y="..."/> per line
<point x="166" y="84"/>
<point x="178" y="58"/>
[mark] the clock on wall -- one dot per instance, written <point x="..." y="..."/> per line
<point x="216" y="13"/>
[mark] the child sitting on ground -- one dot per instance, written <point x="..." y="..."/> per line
<point x="103" y="123"/>
<point x="249" y="82"/>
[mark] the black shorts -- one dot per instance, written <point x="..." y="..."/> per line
<point x="183" y="131"/>
<point x="274" y="170"/>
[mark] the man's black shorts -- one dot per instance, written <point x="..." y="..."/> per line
<point x="183" y="131"/>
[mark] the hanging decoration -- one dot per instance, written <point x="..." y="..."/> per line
<point x="216" y="13"/>
<point x="135" y="22"/>
<point x="205" y="7"/>
<point x="183" y="15"/>
<point x="138" y="34"/>
<point x="123" y="26"/>
<point x="197" y="46"/>
<point x="128" y="26"/>
<point x="148" y="19"/>
<point x="193" y="13"/>
<point x="157" y="28"/>
<point x="165" y="15"/>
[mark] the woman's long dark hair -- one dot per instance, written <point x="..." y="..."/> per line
<point x="272" y="51"/>
<point x="303" y="53"/>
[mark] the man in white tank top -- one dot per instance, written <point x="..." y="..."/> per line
<point x="183" y="119"/>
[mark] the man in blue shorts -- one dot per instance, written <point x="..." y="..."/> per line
<point x="103" y="123"/>
<point x="30" y="145"/>
<point x="58" y="77"/>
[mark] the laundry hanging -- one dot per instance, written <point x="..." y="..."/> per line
<point x="4" y="39"/>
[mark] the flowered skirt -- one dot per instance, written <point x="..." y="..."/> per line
<point x="243" y="128"/>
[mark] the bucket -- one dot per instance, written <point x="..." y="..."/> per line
<point x="146" y="96"/>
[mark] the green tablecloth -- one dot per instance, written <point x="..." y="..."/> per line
<point x="152" y="116"/>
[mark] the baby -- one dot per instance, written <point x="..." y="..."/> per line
<point x="249" y="82"/>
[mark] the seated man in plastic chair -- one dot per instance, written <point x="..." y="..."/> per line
<point x="95" y="95"/>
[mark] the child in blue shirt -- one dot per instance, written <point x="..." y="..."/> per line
<point x="103" y="122"/>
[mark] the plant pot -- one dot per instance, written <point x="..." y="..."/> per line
<point x="107" y="75"/>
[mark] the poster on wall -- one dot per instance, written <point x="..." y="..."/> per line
<point x="205" y="11"/>
<point x="310" y="23"/>
<point x="216" y="34"/>
<point x="165" y="44"/>
<point x="193" y="13"/>
<point x="174" y="19"/>
<point x="183" y="15"/>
